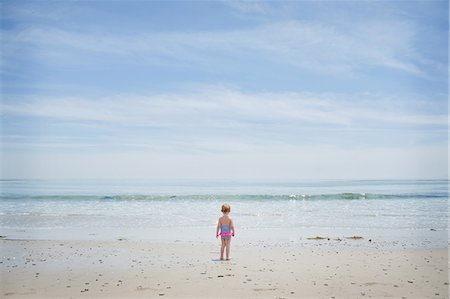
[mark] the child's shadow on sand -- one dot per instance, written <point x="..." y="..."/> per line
<point x="219" y="260"/>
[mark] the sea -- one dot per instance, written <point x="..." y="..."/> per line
<point x="349" y="213"/>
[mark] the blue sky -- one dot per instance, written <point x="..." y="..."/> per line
<point x="224" y="89"/>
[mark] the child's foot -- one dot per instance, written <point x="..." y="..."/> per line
<point x="221" y="258"/>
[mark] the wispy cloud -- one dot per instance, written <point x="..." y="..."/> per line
<point x="224" y="107"/>
<point x="248" y="7"/>
<point x="306" y="45"/>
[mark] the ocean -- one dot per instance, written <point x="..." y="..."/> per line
<point x="390" y="213"/>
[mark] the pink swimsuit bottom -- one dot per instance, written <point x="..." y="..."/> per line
<point x="226" y="234"/>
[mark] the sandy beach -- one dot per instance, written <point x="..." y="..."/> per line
<point x="125" y="269"/>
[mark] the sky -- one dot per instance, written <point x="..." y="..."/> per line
<point x="224" y="90"/>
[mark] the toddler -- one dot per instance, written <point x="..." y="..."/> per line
<point x="226" y="227"/>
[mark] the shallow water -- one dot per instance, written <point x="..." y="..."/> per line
<point x="413" y="212"/>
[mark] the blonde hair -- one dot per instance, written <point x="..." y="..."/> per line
<point x="226" y="208"/>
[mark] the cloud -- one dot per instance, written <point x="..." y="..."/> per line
<point x="216" y="106"/>
<point x="220" y="121"/>
<point x="248" y="7"/>
<point x="306" y="45"/>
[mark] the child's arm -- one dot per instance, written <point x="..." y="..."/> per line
<point x="217" y="229"/>
<point x="232" y="227"/>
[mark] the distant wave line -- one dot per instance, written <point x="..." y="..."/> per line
<point x="236" y="197"/>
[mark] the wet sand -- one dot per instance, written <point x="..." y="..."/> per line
<point x="125" y="269"/>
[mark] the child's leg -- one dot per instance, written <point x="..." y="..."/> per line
<point x="227" y="243"/>
<point x="222" y="247"/>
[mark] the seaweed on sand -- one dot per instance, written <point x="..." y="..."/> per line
<point x="318" y="238"/>
<point x="355" y="237"/>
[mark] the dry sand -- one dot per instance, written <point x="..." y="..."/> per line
<point x="125" y="269"/>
